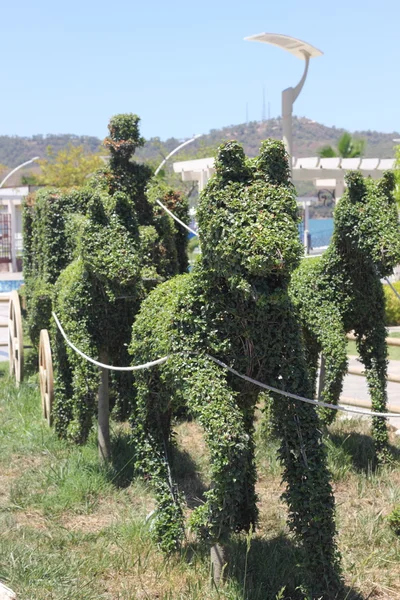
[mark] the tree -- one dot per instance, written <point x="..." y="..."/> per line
<point x="3" y="171"/>
<point x="347" y="147"/>
<point x="69" y="167"/>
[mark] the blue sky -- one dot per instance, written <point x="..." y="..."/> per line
<point x="184" y="67"/>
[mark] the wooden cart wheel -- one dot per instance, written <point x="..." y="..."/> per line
<point x="46" y="375"/>
<point x="15" y="339"/>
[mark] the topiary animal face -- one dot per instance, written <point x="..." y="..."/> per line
<point x="124" y="136"/>
<point x="366" y="221"/>
<point x="109" y="243"/>
<point x="248" y="215"/>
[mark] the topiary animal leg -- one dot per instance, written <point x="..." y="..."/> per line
<point x="373" y="353"/>
<point x="333" y="348"/>
<point x="151" y="427"/>
<point x="76" y="379"/>
<point x="309" y="493"/>
<point x="230" y="504"/>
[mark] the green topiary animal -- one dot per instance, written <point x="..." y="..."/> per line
<point x="91" y="254"/>
<point x="342" y="291"/>
<point x="126" y="244"/>
<point x="234" y="306"/>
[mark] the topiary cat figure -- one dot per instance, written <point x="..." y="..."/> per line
<point x="342" y="291"/>
<point x="234" y="306"/>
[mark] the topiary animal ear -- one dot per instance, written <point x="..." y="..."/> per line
<point x="387" y="184"/>
<point x="230" y="162"/>
<point x="356" y="186"/>
<point x="272" y="163"/>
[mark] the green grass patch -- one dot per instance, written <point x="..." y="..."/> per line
<point x="71" y="529"/>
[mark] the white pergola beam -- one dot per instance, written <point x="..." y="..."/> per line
<point x="304" y="169"/>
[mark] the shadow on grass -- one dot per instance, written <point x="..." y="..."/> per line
<point x="186" y="474"/>
<point x="260" y="569"/>
<point x="122" y="469"/>
<point x="269" y="569"/>
<point x="359" y="447"/>
<point x="184" y="470"/>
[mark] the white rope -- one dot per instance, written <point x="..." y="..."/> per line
<point x="162" y="163"/>
<point x="99" y="364"/>
<point x="301" y="398"/>
<point x="171" y="214"/>
<point x="224" y="366"/>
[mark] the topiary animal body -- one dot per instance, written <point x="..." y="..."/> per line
<point x="234" y="306"/>
<point x="342" y="291"/>
<point x="96" y="298"/>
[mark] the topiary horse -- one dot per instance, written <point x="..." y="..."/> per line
<point x="342" y="291"/>
<point x="234" y="306"/>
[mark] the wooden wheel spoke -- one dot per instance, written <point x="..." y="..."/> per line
<point x="15" y="339"/>
<point x="46" y="375"/>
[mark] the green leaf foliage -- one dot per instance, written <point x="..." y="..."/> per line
<point x="342" y="291"/>
<point x="234" y="306"/>
<point x="90" y="255"/>
<point x="394" y="520"/>
<point x="347" y="147"/>
<point x="392" y="304"/>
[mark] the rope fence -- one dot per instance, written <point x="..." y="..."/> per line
<point x="148" y="365"/>
<point x="234" y="372"/>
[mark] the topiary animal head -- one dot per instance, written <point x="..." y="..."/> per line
<point x="248" y="216"/>
<point x="109" y="244"/>
<point x="124" y="136"/>
<point x="366" y="222"/>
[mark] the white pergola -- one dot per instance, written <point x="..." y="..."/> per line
<point x="326" y="173"/>
<point x="11" y="200"/>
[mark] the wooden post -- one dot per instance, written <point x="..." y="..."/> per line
<point x="321" y="378"/>
<point x="104" y="412"/>
<point x="218" y="557"/>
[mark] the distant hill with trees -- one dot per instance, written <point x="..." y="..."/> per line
<point x="308" y="138"/>
<point x="15" y="150"/>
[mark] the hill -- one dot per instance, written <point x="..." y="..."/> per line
<point x="15" y="150"/>
<point x="308" y="137"/>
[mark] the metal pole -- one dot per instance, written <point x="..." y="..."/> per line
<point x="287" y="110"/>
<point x="306" y="230"/>
<point x="288" y="98"/>
<point x="104" y="412"/>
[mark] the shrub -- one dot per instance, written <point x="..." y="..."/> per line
<point x="394" y="520"/>
<point x="392" y="304"/>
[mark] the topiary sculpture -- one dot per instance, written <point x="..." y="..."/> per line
<point x="342" y="291"/>
<point x="91" y="255"/>
<point x="234" y="306"/>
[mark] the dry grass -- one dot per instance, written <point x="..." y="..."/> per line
<point x="70" y="530"/>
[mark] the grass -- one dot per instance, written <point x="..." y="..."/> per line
<point x="71" y="529"/>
